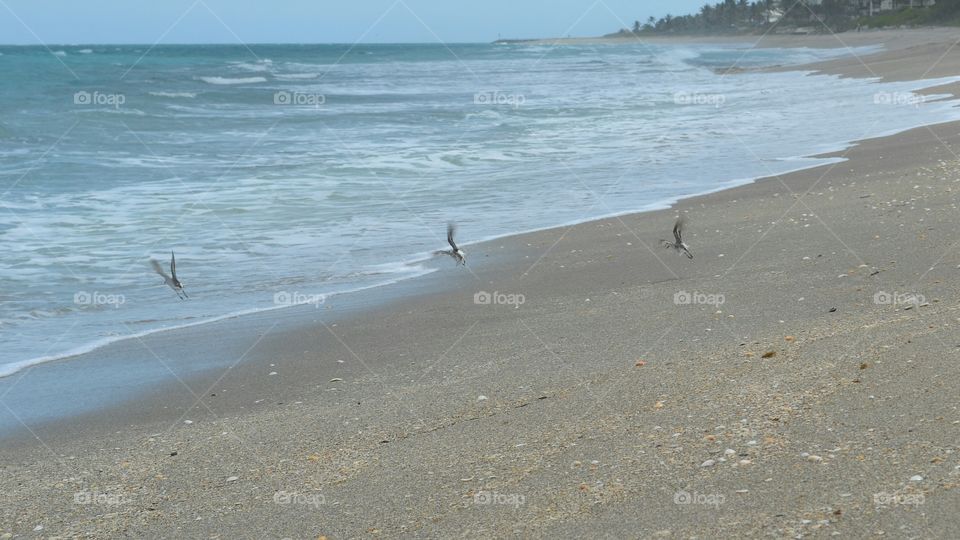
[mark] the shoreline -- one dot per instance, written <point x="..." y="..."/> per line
<point x="365" y="300"/>
<point x="422" y="265"/>
<point x="569" y="419"/>
<point x="365" y="305"/>
<point x="839" y="66"/>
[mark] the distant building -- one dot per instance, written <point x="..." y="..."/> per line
<point x="872" y="7"/>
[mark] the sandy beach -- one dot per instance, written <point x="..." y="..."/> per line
<point x="798" y="378"/>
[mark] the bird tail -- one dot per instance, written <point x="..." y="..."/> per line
<point x="157" y="268"/>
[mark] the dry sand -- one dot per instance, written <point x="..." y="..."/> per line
<point x="800" y="406"/>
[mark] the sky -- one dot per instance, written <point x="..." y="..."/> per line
<point x="26" y="22"/>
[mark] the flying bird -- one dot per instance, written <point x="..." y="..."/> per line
<point x="678" y="244"/>
<point x="456" y="253"/>
<point x="170" y="280"/>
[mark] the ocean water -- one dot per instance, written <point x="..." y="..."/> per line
<point x="285" y="174"/>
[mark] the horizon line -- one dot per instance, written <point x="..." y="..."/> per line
<point x="254" y="44"/>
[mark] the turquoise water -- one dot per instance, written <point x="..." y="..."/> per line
<point x="283" y="174"/>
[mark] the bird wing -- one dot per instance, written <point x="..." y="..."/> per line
<point x="157" y="268"/>
<point x="678" y="230"/>
<point x="451" y="229"/>
<point x="173" y="266"/>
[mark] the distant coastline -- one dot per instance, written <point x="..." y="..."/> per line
<point x="726" y="20"/>
<point x="889" y="39"/>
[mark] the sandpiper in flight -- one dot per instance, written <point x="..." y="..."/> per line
<point x="678" y="245"/>
<point x="456" y="253"/>
<point x="171" y="280"/>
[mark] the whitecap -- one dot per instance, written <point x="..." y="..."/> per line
<point x="253" y="67"/>
<point x="59" y="53"/>
<point x="226" y="80"/>
<point x="297" y="76"/>
<point x="189" y="95"/>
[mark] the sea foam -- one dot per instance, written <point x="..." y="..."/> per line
<point x="229" y="81"/>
